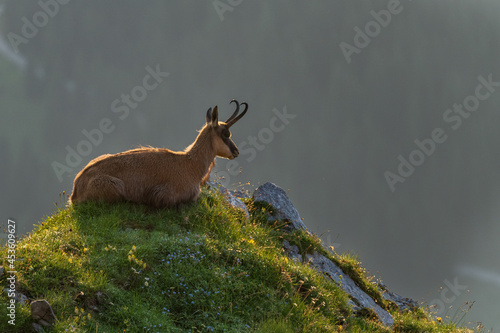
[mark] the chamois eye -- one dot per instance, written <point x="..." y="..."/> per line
<point x="226" y="134"/>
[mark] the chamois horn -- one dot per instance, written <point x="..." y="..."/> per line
<point x="234" y="117"/>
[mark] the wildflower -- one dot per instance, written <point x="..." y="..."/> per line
<point x="439" y="319"/>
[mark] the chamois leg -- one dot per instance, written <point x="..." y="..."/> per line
<point x="160" y="196"/>
<point x="163" y="196"/>
<point x="105" y="188"/>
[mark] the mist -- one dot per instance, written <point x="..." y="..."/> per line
<point x="379" y="118"/>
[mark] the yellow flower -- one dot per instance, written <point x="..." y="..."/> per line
<point x="439" y="319"/>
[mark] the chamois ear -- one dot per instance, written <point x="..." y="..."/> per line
<point x="215" y="117"/>
<point x="208" y="117"/>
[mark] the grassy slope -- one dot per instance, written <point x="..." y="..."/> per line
<point x="203" y="268"/>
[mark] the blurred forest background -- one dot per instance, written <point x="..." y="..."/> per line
<point x="348" y="123"/>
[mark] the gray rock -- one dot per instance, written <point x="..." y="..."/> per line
<point x="404" y="304"/>
<point x="37" y="327"/>
<point x="42" y="313"/>
<point x="283" y="207"/>
<point x="329" y="268"/>
<point x="229" y="197"/>
<point x="21" y="298"/>
<point x="241" y="194"/>
<point x="18" y="297"/>
<point x="292" y="251"/>
<point x="355" y="307"/>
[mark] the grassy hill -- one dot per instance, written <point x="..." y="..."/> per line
<point x="202" y="268"/>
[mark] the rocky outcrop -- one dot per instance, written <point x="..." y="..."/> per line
<point x="403" y="303"/>
<point x="360" y="298"/>
<point x="331" y="271"/>
<point x="283" y="207"/>
<point x="286" y="212"/>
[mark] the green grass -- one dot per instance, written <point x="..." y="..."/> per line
<point x="201" y="268"/>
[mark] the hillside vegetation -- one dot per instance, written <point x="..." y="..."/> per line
<point x="202" y="268"/>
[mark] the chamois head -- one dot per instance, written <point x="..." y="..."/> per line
<point x="221" y="138"/>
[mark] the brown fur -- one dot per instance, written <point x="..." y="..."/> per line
<point x="156" y="177"/>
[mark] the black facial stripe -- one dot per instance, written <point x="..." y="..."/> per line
<point x="229" y="143"/>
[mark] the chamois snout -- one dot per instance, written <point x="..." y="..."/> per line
<point x="235" y="152"/>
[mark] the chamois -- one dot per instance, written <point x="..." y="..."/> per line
<point x="158" y="177"/>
